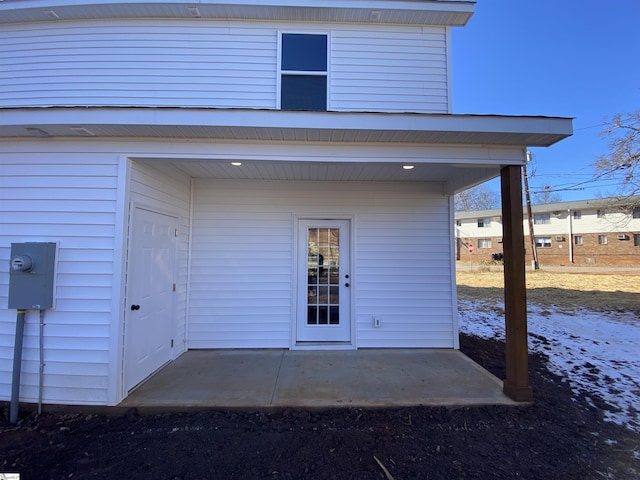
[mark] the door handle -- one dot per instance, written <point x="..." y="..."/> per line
<point x="135" y="307"/>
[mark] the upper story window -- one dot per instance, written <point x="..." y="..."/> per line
<point x="542" y="219"/>
<point x="303" y="72"/>
<point x="636" y="212"/>
<point x="577" y="214"/>
<point x="600" y="214"/>
<point x="484" y="222"/>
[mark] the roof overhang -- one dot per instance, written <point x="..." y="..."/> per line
<point x="277" y="125"/>
<point x="456" y="151"/>
<point x="412" y="12"/>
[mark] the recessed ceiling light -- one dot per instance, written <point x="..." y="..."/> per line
<point x="236" y="164"/>
<point x="408" y="167"/>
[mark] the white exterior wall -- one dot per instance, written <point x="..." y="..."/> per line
<point x="79" y="194"/>
<point x="614" y="220"/>
<point x="216" y="64"/>
<point x="243" y="267"/>
<point x="469" y="228"/>
<point x="62" y="197"/>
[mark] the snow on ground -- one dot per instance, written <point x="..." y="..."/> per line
<point x="599" y="353"/>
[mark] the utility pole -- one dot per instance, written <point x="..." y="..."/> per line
<point x="534" y="251"/>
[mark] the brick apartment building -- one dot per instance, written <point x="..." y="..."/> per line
<point x="600" y="231"/>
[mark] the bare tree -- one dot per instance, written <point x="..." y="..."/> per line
<point x="622" y="163"/>
<point x="477" y="198"/>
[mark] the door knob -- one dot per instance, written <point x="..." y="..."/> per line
<point x="135" y="307"/>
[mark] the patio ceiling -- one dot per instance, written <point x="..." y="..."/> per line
<point x="324" y="171"/>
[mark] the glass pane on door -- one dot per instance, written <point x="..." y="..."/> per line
<point x="323" y="276"/>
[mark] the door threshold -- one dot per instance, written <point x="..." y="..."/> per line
<point x="324" y="346"/>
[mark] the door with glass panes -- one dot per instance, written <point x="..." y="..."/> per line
<point x="323" y="313"/>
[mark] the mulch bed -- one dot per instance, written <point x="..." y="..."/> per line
<point x="556" y="437"/>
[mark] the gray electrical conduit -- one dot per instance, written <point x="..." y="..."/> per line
<point x="41" y="377"/>
<point x="17" y="364"/>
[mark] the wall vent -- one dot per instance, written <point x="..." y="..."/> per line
<point x="622" y="236"/>
<point x="559" y="239"/>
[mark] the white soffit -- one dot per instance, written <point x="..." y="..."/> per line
<point x="413" y="12"/>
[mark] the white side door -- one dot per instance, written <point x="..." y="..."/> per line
<point x="323" y="313"/>
<point x="149" y="308"/>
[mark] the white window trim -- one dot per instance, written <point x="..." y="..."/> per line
<point x="542" y="244"/>
<point x="303" y="72"/>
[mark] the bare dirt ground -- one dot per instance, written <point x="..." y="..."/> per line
<point x="560" y="436"/>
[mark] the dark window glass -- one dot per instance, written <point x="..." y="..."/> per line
<point x="302" y="52"/>
<point x="304" y="92"/>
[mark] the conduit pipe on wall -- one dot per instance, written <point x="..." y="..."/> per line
<point x="41" y="372"/>
<point x="17" y="364"/>
<point x="570" y="235"/>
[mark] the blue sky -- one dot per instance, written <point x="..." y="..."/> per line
<point x="566" y="58"/>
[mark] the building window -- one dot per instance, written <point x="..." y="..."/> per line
<point x="303" y="70"/>
<point x="484" y="222"/>
<point x="543" y="242"/>
<point x="484" y="243"/>
<point x="577" y="215"/>
<point x="636" y="239"/>
<point x="578" y="240"/>
<point x="602" y="239"/>
<point x="636" y="212"/>
<point x="458" y="223"/>
<point x="600" y="214"/>
<point x="542" y="219"/>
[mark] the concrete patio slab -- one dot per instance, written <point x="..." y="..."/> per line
<point x="286" y="378"/>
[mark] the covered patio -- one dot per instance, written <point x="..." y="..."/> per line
<point x="319" y="378"/>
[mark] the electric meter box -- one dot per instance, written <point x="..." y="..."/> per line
<point x="31" y="275"/>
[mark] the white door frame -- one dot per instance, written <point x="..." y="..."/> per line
<point x="299" y="297"/>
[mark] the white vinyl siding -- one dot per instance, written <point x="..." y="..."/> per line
<point x="62" y="198"/>
<point x="215" y="64"/>
<point x="242" y="261"/>
<point x="165" y="189"/>
<point x="389" y="69"/>
<point x="141" y="63"/>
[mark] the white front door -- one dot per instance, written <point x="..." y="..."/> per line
<point x="323" y="313"/>
<point x="149" y="308"/>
